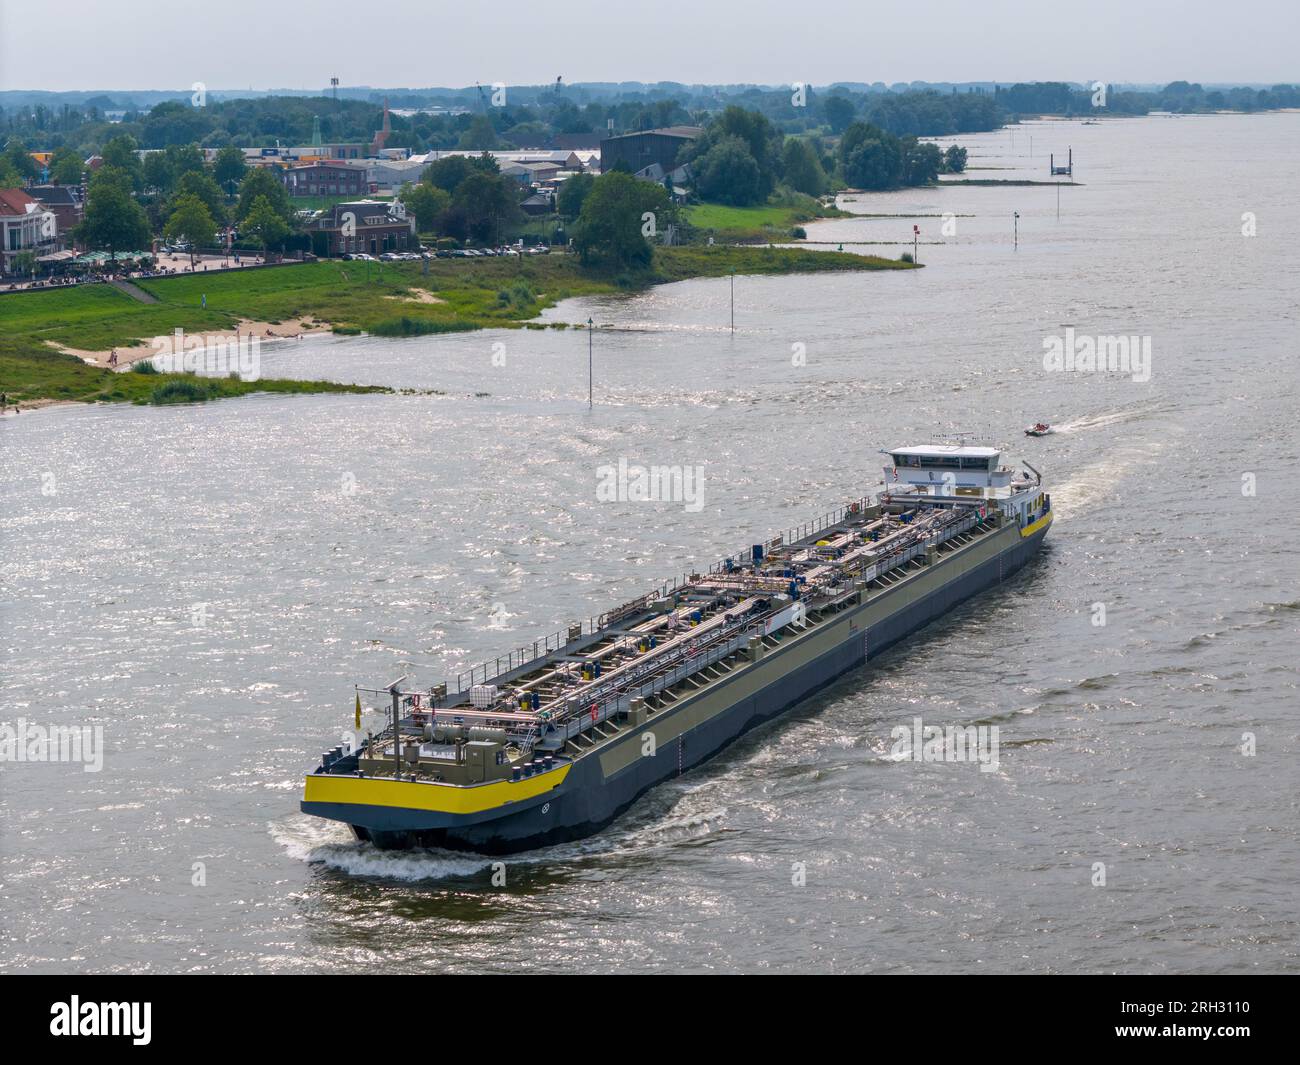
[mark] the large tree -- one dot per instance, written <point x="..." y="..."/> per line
<point x="448" y="172"/>
<point x="228" y="168"/>
<point x="870" y="158"/>
<point x="158" y="177"/>
<point x="19" y="159"/>
<point x="612" y="222"/>
<point x="113" y="221"/>
<point x="426" y="203"/>
<point x="264" y="224"/>
<point x="921" y="162"/>
<point x="728" y="173"/>
<point x="119" y="154"/>
<point x="568" y="204"/>
<point x="261" y="183"/>
<point x="803" y="170"/>
<point x="207" y="190"/>
<point x="761" y="141"/>
<point x="488" y="201"/>
<point x="192" y="223"/>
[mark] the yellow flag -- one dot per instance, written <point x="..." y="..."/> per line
<point x="358" y="710"/>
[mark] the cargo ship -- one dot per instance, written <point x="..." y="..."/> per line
<point x="552" y="741"/>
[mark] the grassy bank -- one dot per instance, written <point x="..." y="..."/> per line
<point x="30" y="371"/>
<point x="751" y="225"/>
<point x="396" y="299"/>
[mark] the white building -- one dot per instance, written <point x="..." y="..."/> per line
<point x="25" y="226"/>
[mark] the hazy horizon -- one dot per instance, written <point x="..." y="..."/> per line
<point x="151" y="45"/>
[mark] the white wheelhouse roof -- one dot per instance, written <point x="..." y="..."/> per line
<point x="946" y="451"/>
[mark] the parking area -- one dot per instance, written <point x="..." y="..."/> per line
<point x="448" y="253"/>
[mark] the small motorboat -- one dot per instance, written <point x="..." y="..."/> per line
<point x="1039" y="429"/>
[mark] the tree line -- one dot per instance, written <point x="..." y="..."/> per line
<point x="741" y="159"/>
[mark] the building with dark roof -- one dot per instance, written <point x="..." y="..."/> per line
<point x="369" y="226"/>
<point x="636" y="151"/>
<point x="65" y="201"/>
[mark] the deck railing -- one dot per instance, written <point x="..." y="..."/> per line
<point x="502" y="665"/>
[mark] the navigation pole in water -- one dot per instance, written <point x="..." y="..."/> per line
<point x="590" y="391"/>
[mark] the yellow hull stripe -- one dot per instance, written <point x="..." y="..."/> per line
<point x="1041" y="523"/>
<point x="419" y="795"/>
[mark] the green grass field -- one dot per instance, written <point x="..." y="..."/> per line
<point x="349" y="296"/>
<point x="31" y="371"/>
<point x="771" y="221"/>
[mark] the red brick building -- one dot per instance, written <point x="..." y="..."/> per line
<point x="369" y="226"/>
<point x="325" y="179"/>
<point x="65" y="201"/>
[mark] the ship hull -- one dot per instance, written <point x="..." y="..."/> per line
<point x="596" y="788"/>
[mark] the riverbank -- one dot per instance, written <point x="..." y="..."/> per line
<point x="761" y="224"/>
<point x="56" y="341"/>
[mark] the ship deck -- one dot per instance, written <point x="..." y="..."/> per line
<point x="561" y="699"/>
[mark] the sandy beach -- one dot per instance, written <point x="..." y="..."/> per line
<point x="264" y="331"/>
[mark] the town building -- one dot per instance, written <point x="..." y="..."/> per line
<point x="25" y="226"/>
<point x="636" y="151"/>
<point x="326" y="179"/>
<point x="318" y="152"/>
<point x="66" y="202"/>
<point x="565" y="160"/>
<point x="369" y="226"/>
<point x="532" y="173"/>
<point x="389" y="175"/>
<point x="541" y="202"/>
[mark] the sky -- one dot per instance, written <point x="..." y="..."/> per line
<point x="265" y="44"/>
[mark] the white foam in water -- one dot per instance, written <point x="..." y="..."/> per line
<point x="364" y="859"/>
<point x="1103" y="421"/>
<point x="329" y="843"/>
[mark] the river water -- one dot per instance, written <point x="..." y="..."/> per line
<point x="208" y="583"/>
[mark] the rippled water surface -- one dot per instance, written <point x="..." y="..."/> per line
<point x="208" y="583"/>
